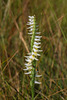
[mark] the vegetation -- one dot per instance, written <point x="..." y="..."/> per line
<point x="15" y="44"/>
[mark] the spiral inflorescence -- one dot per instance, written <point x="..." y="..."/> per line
<point x="35" y="47"/>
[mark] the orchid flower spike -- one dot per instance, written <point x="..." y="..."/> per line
<point x="35" y="47"/>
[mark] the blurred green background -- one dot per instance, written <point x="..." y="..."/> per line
<point x="51" y="17"/>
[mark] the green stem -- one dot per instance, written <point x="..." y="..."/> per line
<point x="33" y="79"/>
<point x="33" y="34"/>
<point x="32" y="83"/>
<point x="34" y="62"/>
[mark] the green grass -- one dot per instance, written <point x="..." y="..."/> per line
<point x="51" y="17"/>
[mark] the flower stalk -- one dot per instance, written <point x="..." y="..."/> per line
<point x="32" y="56"/>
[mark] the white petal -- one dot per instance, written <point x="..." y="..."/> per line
<point x="31" y="57"/>
<point x="27" y="64"/>
<point x="28" y="68"/>
<point x="29" y="33"/>
<point x="31" y="20"/>
<point x="36" y="82"/>
<point x="31" y="16"/>
<point x="36" y="46"/>
<point x="37" y="39"/>
<point x="30" y="27"/>
<point x="37" y="43"/>
<point x="36" y="59"/>
<point x="38" y="55"/>
<point x="38" y="75"/>
<point x="35" y="50"/>
<point x="28" y="72"/>
<point x="35" y="54"/>
<point x="30" y="23"/>
<point x="29" y="60"/>
<point x="38" y="36"/>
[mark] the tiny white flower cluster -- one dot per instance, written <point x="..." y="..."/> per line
<point x="33" y="55"/>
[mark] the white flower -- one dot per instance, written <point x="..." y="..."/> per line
<point x="37" y="43"/>
<point x="30" y="27"/>
<point x="35" y="54"/>
<point x="28" y="64"/>
<point x="28" y="68"/>
<point x="29" y="33"/>
<point x="36" y="82"/>
<point x="35" y="46"/>
<point x="28" y="72"/>
<point x="31" y="17"/>
<point x="37" y="39"/>
<point x="35" y="50"/>
<point x="29" y="60"/>
<point x="31" y="30"/>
